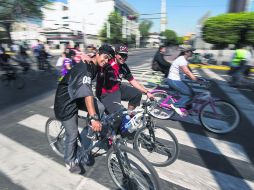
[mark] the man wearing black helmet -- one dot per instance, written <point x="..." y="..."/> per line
<point x="75" y="92"/>
<point x="109" y="88"/>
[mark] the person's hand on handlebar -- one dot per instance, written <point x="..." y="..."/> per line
<point x="150" y="96"/>
<point x="201" y="81"/>
<point x="96" y="125"/>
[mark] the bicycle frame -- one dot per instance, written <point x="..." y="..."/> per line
<point x="199" y="100"/>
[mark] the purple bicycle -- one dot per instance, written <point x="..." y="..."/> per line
<point x="215" y="115"/>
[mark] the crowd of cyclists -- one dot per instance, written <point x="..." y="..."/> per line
<point x="20" y="56"/>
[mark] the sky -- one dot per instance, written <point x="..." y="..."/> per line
<point x="182" y="15"/>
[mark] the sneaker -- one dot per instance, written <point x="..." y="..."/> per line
<point x="177" y="110"/>
<point x="73" y="168"/>
<point x="87" y="159"/>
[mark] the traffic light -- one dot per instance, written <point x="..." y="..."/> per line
<point x="131" y="17"/>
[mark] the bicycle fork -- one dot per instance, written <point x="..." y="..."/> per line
<point x="121" y="157"/>
<point x="150" y="127"/>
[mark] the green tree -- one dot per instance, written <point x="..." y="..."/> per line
<point x="179" y="40"/>
<point x="170" y="37"/>
<point x="233" y="28"/>
<point x="144" y="28"/>
<point x="115" y="21"/>
<point x="18" y="10"/>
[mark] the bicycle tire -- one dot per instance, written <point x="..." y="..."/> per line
<point x="166" y="142"/>
<point x="235" y="119"/>
<point x="160" y="112"/>
<point x="19" y="82"/>
<point x="57" y="145"/>
<point x="139" y="160"/>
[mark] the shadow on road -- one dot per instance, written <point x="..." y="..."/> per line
<point x="12" y="97"/>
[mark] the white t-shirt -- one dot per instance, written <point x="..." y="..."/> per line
<point x="175" y="72"/>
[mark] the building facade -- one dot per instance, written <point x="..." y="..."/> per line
<point x="27" y="33"/>
<point x="77" y="21"/>
<point x="90" y="16"/>
<point x="57" y="26"/>
<point x="153" y="40"/>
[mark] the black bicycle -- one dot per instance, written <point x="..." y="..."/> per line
<point x="127" y="168"/>
<point x="11" y="77"/>
<point x="156" y="143"/>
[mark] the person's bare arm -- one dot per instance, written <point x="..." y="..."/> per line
<point x="96" y="125"/>
<point x="187" y="71"/>
<point x="140" y="87"/>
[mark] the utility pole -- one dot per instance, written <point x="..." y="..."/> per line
<point x="236" y="6"/>
<point x="84" y="31"/>
<point x="163" y="15"/>
<point x="108" y="29"/>
<point x="124" y="33"/>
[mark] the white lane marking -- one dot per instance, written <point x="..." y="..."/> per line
<point x="243" y="103"/>
<point x="37" y="122"/>
<point x="228" y="149"/>
<point x="191" y="140"/>
<point x="31" y="170"/>
<point x="213" y="75"/>
<point x="196" y="177"/>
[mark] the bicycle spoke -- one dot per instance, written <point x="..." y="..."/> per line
<point x="140" y="181"/>
<point x="163" y="150"/>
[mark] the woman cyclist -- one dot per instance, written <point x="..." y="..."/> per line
<point x="177" y="70"/>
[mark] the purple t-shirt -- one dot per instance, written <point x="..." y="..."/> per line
<point x="66" y="62"/>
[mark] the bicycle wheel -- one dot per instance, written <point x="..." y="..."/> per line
<point x="161" y="151"/>
<point x="130" y="170"/>
<point x="158" y="111"/>
<point x="55" y="134"/>
<point x="19" y="82"/>
<point x="219" y="117"/>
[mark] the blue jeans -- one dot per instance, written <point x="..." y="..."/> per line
<point x="185" y="91"/>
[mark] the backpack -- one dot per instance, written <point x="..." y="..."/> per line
<point x="156" y="66"/>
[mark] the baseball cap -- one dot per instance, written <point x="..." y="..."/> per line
<point x="107" y="49"/>
<point x="185" y="48"/>
<point x="121" y="48"/>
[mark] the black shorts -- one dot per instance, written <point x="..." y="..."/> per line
<point x="112" y="101"/>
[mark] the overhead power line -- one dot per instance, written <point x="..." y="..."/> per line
<point x="148" y="18"/>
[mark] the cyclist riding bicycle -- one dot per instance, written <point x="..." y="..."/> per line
<point x="159" y="63"/>
<point x="110" y="89"/>
<point x="239" y="64"/>
<point x="4" y="61"/>
<point x="175" y="78"/>
<point x="75" y="92"/>
<point x="68" y="63"/>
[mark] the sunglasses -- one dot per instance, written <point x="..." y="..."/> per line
<point x="123" y="55"/>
